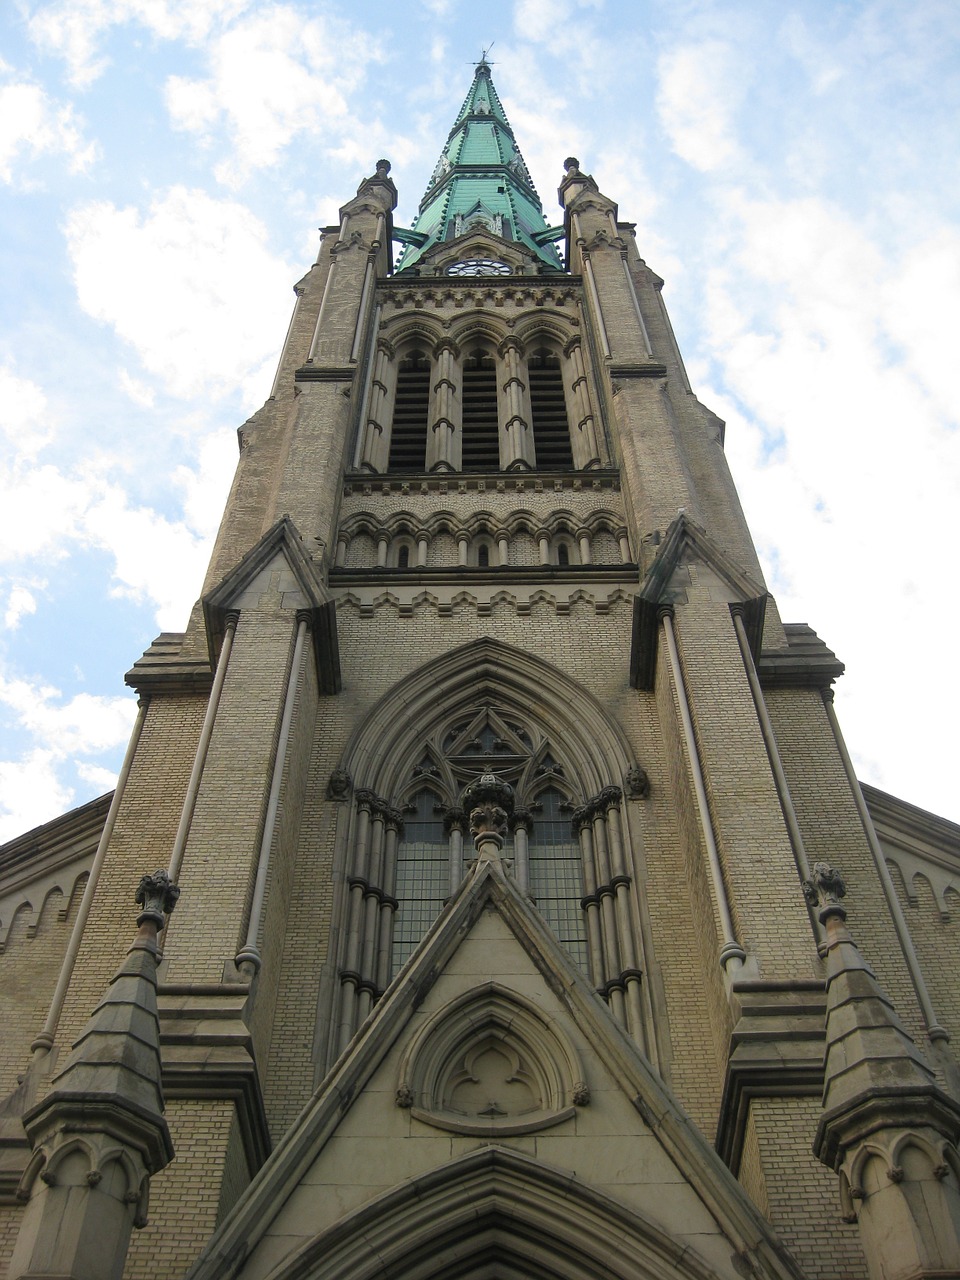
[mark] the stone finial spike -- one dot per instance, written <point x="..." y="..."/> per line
<point x="887" y="1127"/>
<point x="99" y="1134"/>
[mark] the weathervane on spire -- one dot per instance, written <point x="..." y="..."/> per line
<point x="484" y="60"/>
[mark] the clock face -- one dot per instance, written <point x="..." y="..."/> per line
<point x="480" y="267"/>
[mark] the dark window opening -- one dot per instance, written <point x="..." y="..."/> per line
<point x="481" y="432"/>
<point x="483" y="557"/>
<point x="563" y="555"/>
<point x="551" y="430"/>
<point x="408" y="440"/>
<point x="403" y="558"/>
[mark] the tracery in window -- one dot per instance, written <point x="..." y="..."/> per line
<point x="406" y="845"/>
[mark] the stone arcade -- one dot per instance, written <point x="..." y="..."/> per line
<point x="531" y="919"/>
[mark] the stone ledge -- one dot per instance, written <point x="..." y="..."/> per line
<point x="776" y="1050"/>
<point x="807" y="663"/>
<point x="368" y="482"/>
<point x="207" y="1053"/>
<point x="161" y="669"/>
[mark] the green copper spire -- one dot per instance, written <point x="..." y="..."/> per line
<point x="481" y="182"/>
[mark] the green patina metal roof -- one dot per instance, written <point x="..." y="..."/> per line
<point x="481" y="180"/>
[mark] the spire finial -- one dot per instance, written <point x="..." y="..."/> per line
<point x="484" y="60"/>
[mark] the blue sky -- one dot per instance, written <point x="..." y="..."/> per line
<point x="792" y="170"/>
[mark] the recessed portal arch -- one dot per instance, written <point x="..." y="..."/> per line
<point x="494" y="1215"/>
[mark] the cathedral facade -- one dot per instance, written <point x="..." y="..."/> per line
<point x="521" y="914"/>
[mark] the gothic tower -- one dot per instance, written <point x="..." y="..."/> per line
<point x="502" y="806"/>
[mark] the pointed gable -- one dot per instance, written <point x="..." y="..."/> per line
<point x="278" y="564"/>
<point x="490" y="1102"/>
<point x="686" y="543"/>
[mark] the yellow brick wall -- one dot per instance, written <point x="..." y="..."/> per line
<point x="936" y="939"/>
<point x="803" y="1199"/>
<point x="185" y="1197"/>
<point x="833" y="833"/>
<point x="29" y="969"/>
<point x="142" y="841"/>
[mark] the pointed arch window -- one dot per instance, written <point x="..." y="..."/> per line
<point x="481" y="431"/>
<point x="423" y="873"/>
<point x="408" y="439"/>
<point x="548" y="405"/>
<point x="556" y="880"/>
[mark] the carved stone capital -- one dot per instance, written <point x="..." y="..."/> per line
<point x="824" y="891"/>
<point x="523" y="819"/>
<point x="157" y="895"/>
<point x="454" y="819"/>
<point x="489" y="802"/>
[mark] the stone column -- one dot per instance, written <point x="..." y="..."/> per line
<point x="454" y="823"/>
<point x="586" y="452"/>
<point x="376" y="442"/>
<point x="444" y="445"/>
<point x="519" y="455"/>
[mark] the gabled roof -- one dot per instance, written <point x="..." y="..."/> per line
<point x="481" y="179"/>
<point x="380" y="1164"/>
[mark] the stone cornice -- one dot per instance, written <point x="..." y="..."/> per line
<point x="807" y="663"/>
<point x="496" y="576"/>
<point x="599" y="478"/>
<point x="207" y="1052"/>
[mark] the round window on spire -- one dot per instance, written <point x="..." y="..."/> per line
<point x="480" y="267"/>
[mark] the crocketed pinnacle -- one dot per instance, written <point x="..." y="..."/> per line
<point x="480" y="180"/>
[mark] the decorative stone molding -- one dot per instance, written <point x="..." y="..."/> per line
<point x="489" y="1063"/>
<point x="824" y="891"/>
<point x="489" y="803"/>
<point x="338" y="787"/>
<point x="158" y="897"/>
<point x="636" y="783"/>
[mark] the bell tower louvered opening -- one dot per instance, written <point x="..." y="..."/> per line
<point x="551" y="429"/>
<point x="408" y="440"/>
<point x="481" y="432"/>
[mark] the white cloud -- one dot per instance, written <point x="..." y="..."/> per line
<point x="192" y="286"/>
<point x="20" y="603"/>
<point x="138" y="390"/>
<point x="275" y="75"/>
<point x="155" y="559"/>
<point x="84" y="725"/>
<point x="23" y="413"/>
<point x="32" y="124"/>
<point x="32" y="788"/>
<point x="842" y="434"/>
<point x="205" y="488"/>
<point x="74" y="29"/>
<point x="700" y="88"/>
<point x="31" y="792"/>
<point x="96" y="776"/>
